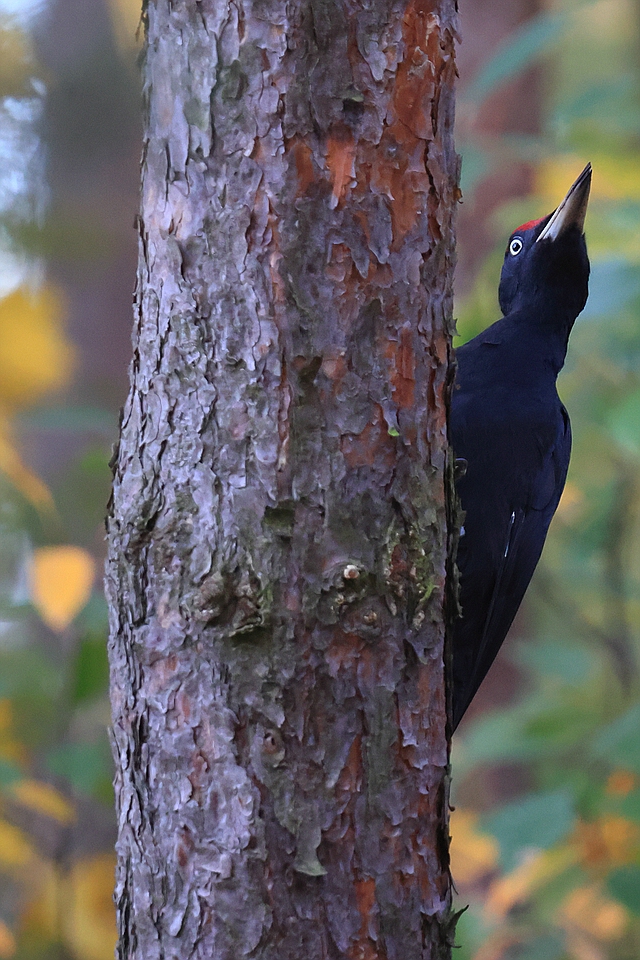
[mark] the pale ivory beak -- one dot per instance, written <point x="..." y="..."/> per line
<point x="572" y="210"/>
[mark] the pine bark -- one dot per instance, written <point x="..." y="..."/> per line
<point x="277" y="534"/>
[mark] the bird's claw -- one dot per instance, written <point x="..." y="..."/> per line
<point x="460" y="468"/>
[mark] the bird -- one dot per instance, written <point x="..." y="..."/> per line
<point x="511" y="434"/>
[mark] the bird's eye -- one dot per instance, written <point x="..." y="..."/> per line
<point x="515" y="246"/>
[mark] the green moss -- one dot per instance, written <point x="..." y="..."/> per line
<point x="232" y="82"/>
<point x="197" y="114"/>
<point x="280" y="519"/>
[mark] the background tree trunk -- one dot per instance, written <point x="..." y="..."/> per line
<point x="278" y="535"/>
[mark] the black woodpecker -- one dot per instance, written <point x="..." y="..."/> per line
<point x="510" y="432"/>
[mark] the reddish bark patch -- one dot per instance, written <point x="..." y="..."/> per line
<point x="380" y="274"/>
<point x="343" y="653"/>
<point x="403" y="376"/>
<point x="184" y="848"/>
<point x="396" y="169"/>
<point x="340" y="157"/>
<point x="183" y="707"/>
<point x="372" y="446"/>
<point x="416" y="78"/>
<point x="340" y="269"/>
<point x="334" y="367"/>
<point x="364" y="948"/>
<point x="302" y="157"/>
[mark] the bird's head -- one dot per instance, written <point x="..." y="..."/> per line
<point x="546" y="263"/>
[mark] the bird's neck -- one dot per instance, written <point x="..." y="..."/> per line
<point x="546" y="331"/>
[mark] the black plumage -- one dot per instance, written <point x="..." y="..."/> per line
<point x="508" y="424"/>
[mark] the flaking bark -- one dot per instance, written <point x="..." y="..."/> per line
<point x="277" y="536"/>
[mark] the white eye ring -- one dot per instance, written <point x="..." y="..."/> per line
<point x="515" y="246"/>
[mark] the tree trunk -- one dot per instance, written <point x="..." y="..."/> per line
<point x="277" y="534"/>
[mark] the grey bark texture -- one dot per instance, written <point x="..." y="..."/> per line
<point x="277" y="534"/>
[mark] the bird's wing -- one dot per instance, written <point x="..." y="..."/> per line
<point x="497" y="559"/>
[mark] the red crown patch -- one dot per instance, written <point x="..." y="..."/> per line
<point x="528" y="225"/>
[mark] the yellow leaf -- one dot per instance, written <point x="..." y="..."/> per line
<point x="29" y="485"/>
<point x="43" y="798"/>
<point x="61" y="581"/>
<point x="7" y="941"/>
<point x="91" y="929"/>
<point x="35" y="356"/>
<point x="519" y="885"/>
<point x="10" y="748"/>
<point x="515" y="887"/>
<point x="610" y="841"/>
<point x="15" y="848"/>
<point x="75" y="905"/>
<point x="588" y="910"/>
<point x="473" y="854"/>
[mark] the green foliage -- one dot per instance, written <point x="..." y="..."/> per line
<point x="538" y="820"/>
<point x="549" y="946"/>
<point x="618" y="743"/>
<point x="536" y="38"/>
<point x="85" y="766"/>
<point x="9" y="773"/>
<point x="624" y="884"/>
<point x="92" y="669"/>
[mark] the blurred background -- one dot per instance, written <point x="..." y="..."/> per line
<point x="546" y="766"/>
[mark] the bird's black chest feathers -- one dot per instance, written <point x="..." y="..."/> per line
<point x="506" y="421"/>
